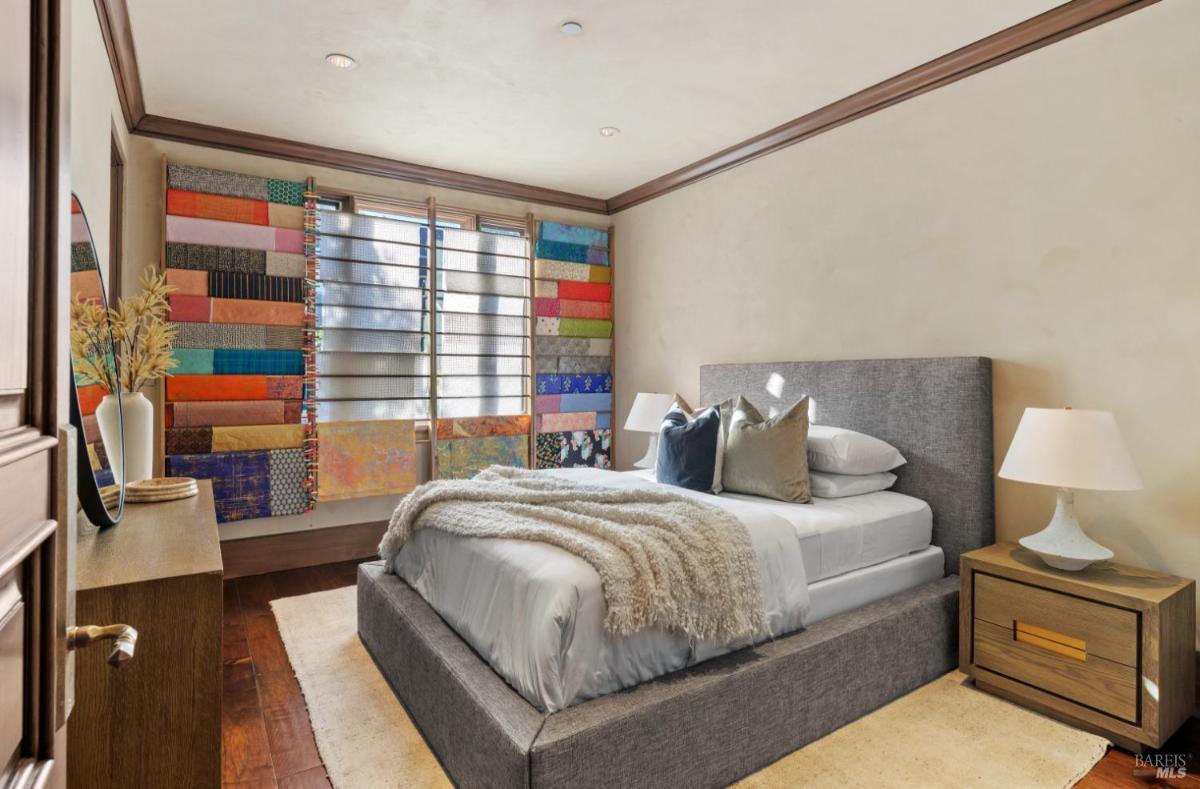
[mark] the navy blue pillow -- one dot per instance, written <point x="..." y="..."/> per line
<point x="687" y="449"/>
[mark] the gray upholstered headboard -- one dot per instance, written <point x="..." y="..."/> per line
<point x="937" y="412"/>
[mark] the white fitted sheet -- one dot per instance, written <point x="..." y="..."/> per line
<point x="867" y="585"/>
<point x="841" y="535"/>
<point x="535" y="612"/>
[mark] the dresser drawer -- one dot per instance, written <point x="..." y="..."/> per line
<point x="1081" y="650"/>
<point x="1099" y="630"/>
<point x="1091" y="681"/>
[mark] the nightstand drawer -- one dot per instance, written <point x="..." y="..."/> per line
<point x="1095" y="629"/>
<point x="1082" y="678"/>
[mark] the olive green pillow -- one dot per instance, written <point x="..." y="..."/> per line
<point x="768" y="457"/>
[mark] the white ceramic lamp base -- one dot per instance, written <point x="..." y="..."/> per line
<point x="648" y="460"/>
<point x="1062" y="544"/>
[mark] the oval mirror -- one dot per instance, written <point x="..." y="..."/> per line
<point x="96" y="394"/>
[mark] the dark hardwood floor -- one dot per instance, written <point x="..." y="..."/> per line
<point x="266" y="740"/>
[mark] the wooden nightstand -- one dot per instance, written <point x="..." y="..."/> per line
<point x="1110" y="649"/>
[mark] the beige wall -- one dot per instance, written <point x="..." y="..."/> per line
<point x="95" y="112"/>
<point x="1045" y="213"/>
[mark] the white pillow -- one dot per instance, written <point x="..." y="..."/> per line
<point x="840" y="451"/>
<point x="836" y="486"/>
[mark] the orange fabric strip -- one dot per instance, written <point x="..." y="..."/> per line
<point x="569" y="308"/>
<point x="261" y="313"/>
<point x="216" y="387"/>
<point x="227" y="209"/>
<point x="188" y="282"/>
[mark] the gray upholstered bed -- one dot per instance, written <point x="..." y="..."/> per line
<point x="727" y="717"/>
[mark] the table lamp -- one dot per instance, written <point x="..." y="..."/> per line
<point x="646" y="416"/>
<point x="1069" y="449"/>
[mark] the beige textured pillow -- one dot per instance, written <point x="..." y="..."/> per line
<point x="768" y="457"/>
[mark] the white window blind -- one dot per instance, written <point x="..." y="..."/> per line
<point x="377" y="325"/>
<point x="483" y="309"/>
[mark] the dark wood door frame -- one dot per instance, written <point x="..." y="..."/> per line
<point x="116" y="216"/>
<point x="33" y="533"/>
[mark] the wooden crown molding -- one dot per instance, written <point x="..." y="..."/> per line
<point x="1052" y="26"/>
<point x="278" y="148"/>
<point x="118" y="42"/>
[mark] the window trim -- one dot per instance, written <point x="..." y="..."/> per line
<point x="356" y="203"/>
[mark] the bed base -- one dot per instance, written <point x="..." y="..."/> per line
<point x="707" y="725"/>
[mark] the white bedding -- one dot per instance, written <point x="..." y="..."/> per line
<point x="536" y="612"/>
<point x="840" y="535"/>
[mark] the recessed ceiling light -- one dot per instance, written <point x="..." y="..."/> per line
<point x="609" y="131"/>
<point x="571" y="28"/>
<point x="338" y="60"/>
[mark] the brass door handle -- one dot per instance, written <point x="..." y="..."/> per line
<point x="124" y="640"/>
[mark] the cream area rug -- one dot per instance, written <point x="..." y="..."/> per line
<point x="945" y="734"/>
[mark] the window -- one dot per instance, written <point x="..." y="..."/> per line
<point x="380" y="315"/>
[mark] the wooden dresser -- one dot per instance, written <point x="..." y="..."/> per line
<point x="1110" y="648"/>
<point x="156" y="721"/>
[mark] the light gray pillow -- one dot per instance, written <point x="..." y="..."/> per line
<point x="837" y="486"/>
<point x="768" y="457"/>
<point x="836" y="450"/>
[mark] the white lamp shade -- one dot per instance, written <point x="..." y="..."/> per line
<point x="648" y="411"/>
<point x="1070" y="449"/>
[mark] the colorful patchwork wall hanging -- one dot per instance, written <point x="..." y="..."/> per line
<point x="573" y="314"/>
<point x="234" y="251"/>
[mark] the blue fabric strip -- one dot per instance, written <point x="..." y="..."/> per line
<point x="241" y="481"/>
<point x="584" y="383"/>
<point x="239" y="361"/>
<point x="604" y="420"/>
<point x="585" y="402"/>
<point x="572" y="253"/>
<point x="573" y="234"/>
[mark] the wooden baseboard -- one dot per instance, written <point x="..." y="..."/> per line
<point x="274" y="552"/>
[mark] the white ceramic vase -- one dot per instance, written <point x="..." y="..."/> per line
<point x="138" y="454"/>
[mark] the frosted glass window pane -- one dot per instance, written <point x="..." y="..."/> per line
<point x="490" y="346"/>
<point x="368" y="318"/>
<point x="482" y="386"/>
<point x="365" y="251"/>
<point x="371" y="274"/>
<point x="483" y="365"/>
<point x="481" y="304"/>
<point x="371" y="388"/>
<point x="340" y="223"/>
<point x="372" y="364"/>
<point x="377" y="296"/>
<point x="449" y="260"/>
<point x="373" y="341"/>
<point x="465" y="282"/>
<point x="482" y="406"/>
<point x="358" y="410"/>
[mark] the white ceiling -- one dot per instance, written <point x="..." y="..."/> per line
<point x="493" y="88"/>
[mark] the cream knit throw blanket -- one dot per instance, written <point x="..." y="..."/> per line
<point x="665" y="560"/>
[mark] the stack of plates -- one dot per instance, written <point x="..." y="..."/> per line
<point x="110" y="495"/>
<point x="147" y="491"/>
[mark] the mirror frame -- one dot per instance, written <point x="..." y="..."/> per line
<point x="88" y="489"/>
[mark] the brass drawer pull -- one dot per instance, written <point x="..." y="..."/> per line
<point x="1051" y="641"/>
